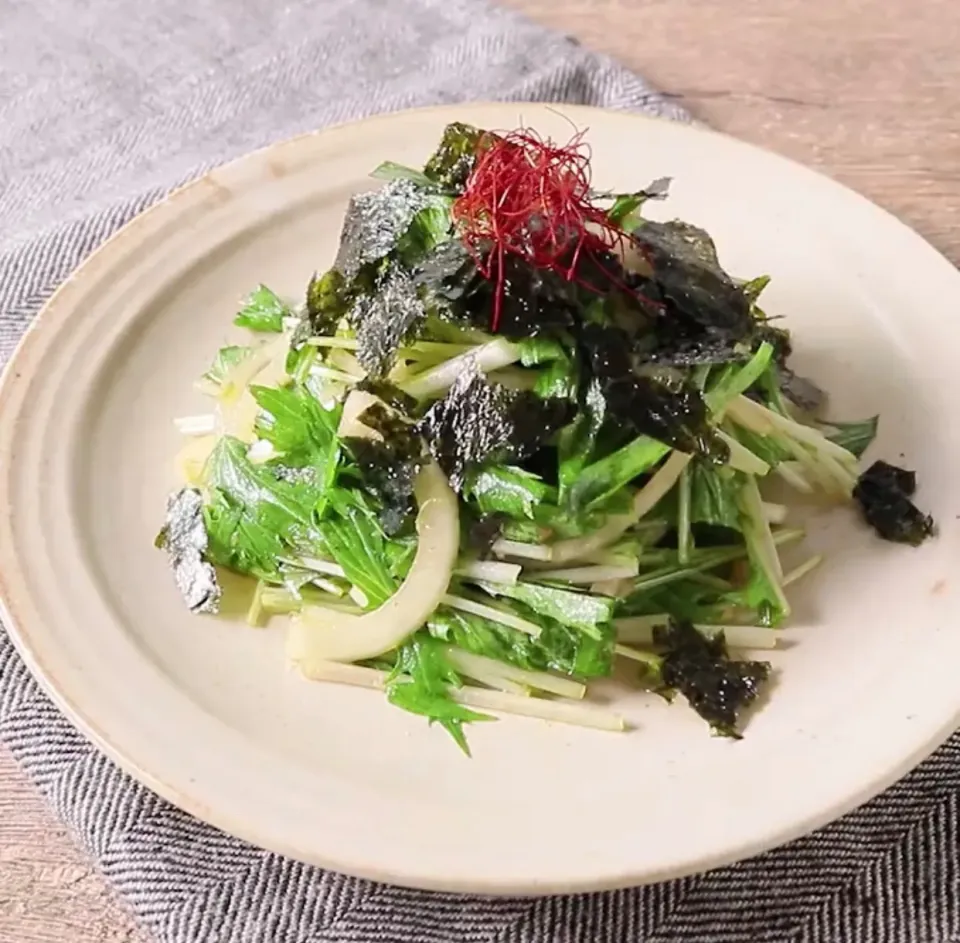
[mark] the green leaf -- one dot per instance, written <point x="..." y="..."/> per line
<point x="263" y="311"/>
<point x="537" y="350"/>
<point x="734" y="380"/>
<point x="451" y="163"/>
<point x="420" y="683"/>
<point x="298" y="427"/>
<point x="714" y="494"/>
<point x="558" y="648"/>
<point x="355" y="539"/>
<point x="624" y="211"/>
<point x="581" y="611"/>
<point x="855" y="437"/>
<point x="604" y="478"/>
<point x="429" y="227"/>
<point x="559" y="380"/>
<point x="754" y="288"/>
<point x="389" y="170"/>
<point x="578" y="440"/>
<point x="767" y="447"/>
<point x="253" y="515"/>
<point x="226" y="359"/>
<point x="505" y="489"/>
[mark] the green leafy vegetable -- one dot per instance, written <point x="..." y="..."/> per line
<point x="509" y="490"/>
<point x="226" y="359"/>
<point x="299" y="428"/>
<point x="558" y="648"/>
<point x="263" y="311"/>
<point x="354" y="538"/>
<point x="582" y="611"/>
<point x="626" y="206"/>
<point x="254" y="515"/>
<point x="453" y="160"/>
<point x="420" y="683"/>
<point x="714" y="495"/>
<point x="855" y="437"/>
<point x="603" y="479"/>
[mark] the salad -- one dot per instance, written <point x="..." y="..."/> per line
<point x="515" y="435"/>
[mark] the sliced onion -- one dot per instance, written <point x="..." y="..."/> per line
<point x="321" y="633"/>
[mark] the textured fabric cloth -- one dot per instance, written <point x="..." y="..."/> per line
<point x="103" y="107"/>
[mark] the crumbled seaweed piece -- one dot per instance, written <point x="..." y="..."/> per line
<point x="374" y="223"/>
<point x="184" y="537"/>
<point x="674" y="414"/>
<point x="389" y="466"/>
<point x="883" y="492"/>
<point x="533" y="302"/>
<point x="329" y="299"/>
<point x="687" y="273"/>
<point x="385" y="318"/>
<point x="398" y="400"/>
<point x="453" y="160"/>
<point x="479" y="421"/>
<point x="716" y="687"/>
<point x="801" y="391"/>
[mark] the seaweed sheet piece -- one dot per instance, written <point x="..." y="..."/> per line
<point x="184" y="537"/>
<point x="478" y="421"/>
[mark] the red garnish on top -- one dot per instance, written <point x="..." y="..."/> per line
<point x="528" y="197"/>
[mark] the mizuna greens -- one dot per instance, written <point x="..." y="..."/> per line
<point x="517" y="433"/>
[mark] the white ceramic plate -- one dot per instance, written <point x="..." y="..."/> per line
<point x="206" y="713"/>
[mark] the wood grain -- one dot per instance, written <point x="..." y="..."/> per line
<point x="866" y="90"/>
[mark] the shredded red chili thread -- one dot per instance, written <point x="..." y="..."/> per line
<point x="529" y="197"/>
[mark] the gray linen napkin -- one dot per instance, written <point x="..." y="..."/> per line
<point x="104" y="106"/>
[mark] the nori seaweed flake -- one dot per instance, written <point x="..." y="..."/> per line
<point x="478" y="421"/>
<point x="374" y="222"/>
<point x="184" y="537"/>
<point x="716" y="686"/>
<point x="883" y="492"/>
<point x="384" y="318"/>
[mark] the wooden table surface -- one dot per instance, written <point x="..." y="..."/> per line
<point x="866" y="90"/>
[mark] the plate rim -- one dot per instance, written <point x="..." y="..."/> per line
<point x="14" y="377"/>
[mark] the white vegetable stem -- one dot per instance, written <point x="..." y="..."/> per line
<point x="803" y="569"/>
<point x="741" y="458"/>
<point x="522" y="551"/>
<point x="204" y="424"/>
<point x="638" y="630"/>
<point x="493" y="613"/>
<point x="339" y="637"/>
<point x="490" y="570"/>
<point x="566" y="712"/>
<point x="487" y="357"/>
<point x="321" y="566"/>
<point x="835" y="465"/>
<point x="590" y="574"/>
<point x="775" y="513"/>
<point x="617" y="524"/>
<point x="468" y="663"/>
